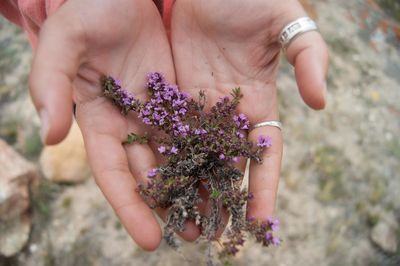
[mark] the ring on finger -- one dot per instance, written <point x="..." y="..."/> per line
<point x="295" y="29"/>
<point x="271" y="123"/>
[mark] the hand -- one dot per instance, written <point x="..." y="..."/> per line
<point x="218" y="45"/>
<point x="81" y="41"/>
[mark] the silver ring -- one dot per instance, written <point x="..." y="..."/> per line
<point x="272" y="123"/>
<point x="295" y="29"/>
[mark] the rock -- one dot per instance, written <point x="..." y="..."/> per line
<point x="66" y="162"/>
<point x="384" y="234"/>
<point x="14" y="235"/>
<point x="16" y="175"/>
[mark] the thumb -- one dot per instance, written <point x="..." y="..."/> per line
<point x="308" y="54"/>
<point x="55" y="64"/>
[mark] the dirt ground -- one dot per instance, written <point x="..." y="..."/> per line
<point x="340" y="183"/>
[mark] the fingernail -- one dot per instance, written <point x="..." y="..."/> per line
<point x="44" y="128"/>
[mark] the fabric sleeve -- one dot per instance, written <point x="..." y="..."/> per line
<point x="29" y="14"/>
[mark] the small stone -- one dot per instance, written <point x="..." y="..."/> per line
<point x="14" y="235"/>
<point x="384" y="234"/>
<point x="16" y="175"/>
<point x="67" y="161"/>
<point x="33" y="248"/>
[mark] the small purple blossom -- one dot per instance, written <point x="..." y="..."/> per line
<point x="155" y="80"/>
<point x="152" y="172"/>
<point x="276" y="241"/>
<point x="250" y="196"/>
<point x="147" y="121"/>
<point x="223" y="99"/>
<point x="200" y="131"/>
<point x="174" y="150"/>
<point x="162" y="149"/>
<point x="269" y="236"/>
<point x="240" y="135"/>
<point x="273" y="223"/>
<point x="182" y="130"/>
<point x="235" y="159"/>
<point x="264" y="141"/>
<point x="221" y="156"/>
<point x="241" y="121"/>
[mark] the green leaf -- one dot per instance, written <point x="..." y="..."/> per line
<point x="215" y="194"/>
<point x="132" y="137"/>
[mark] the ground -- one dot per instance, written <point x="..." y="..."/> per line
<point x="341" y="168"/>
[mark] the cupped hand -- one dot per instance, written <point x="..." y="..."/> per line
<point x="218" y="45"/>
<point x="81" y="41"/>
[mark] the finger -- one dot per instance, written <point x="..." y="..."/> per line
<point x="264" y="177"/>
<point x="109" y="163"/>
<point x="55" y="64"/>
<point x="308" y="54"/>
<point x="141" y="160"/>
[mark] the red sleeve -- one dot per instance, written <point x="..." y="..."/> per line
<point x="9" y="9"/>
<point x="29" y="14"/>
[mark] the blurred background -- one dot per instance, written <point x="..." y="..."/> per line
<point x="339" y="195"/>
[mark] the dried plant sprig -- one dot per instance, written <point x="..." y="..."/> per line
<point x="201" y="149"/>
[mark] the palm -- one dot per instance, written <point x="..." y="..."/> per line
<point x="124" y="39"/>
<point x="126" y="46"/>
<point x="218" y="46"/>
<point x="224" y="49"/>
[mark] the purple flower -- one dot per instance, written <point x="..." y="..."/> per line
<point x="176" y="118"/>
<point x="240" y="134"/>
<point x="276" y="241"/>
<point x="223" y="99"/>
<point x="145" y="112"/>
<point x="162" y="149"/>
<point x="264" y="141"/>
<point x="241" y="121"/>
<point x="269" y="236"/>
<point x="156" y="116"/>
<point x="152" y="172"/>
<point x="183" y="129"/>
<point x="200" y="131"/>
<point x="221" y="156"/>
<point x="235" y="159"/>
<point x="174" y="150"/>
<point x="236" y="120"/>
<point x="273" y="223"/>
<point x="155" y="80"/>
<point x="250" y="196"/>
<point x="147" y="121"/>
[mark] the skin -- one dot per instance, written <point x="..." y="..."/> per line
<point x="216" y="46"/>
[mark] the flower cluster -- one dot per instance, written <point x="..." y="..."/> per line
<point x="166" y="108"/>
<point x="201" y="149"/>
<point x="121" y="97"/>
